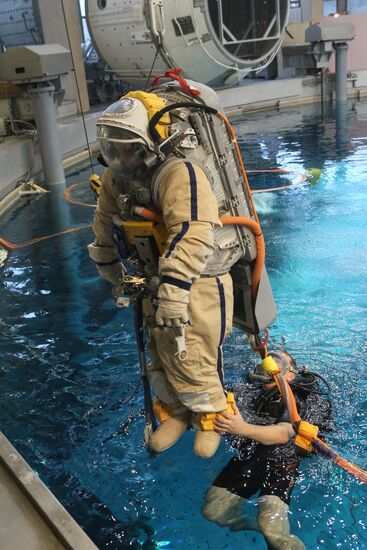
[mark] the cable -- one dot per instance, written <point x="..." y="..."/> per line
<point x="68" y="198"/>
<point x="126" y="400"/>
<point x="12" y="246"/>
<point x="313" y="376"/>
<point x="151" y="70"/>
<point x="77" y="87"/>
<point x="27" y="28"/>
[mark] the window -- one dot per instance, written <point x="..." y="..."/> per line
<point x="295" y="4"/>
<point x="357" y="6"/>
<point x="329" y="7"/>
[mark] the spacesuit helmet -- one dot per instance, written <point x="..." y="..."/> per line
<point x="122" y="131"/>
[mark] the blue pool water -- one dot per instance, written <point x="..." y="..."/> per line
<point x="68" y="356"/>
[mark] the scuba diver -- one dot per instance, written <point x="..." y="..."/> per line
<point x="169" y="155"/>
<point x="267" y="461"/>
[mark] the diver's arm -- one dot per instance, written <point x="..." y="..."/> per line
<point x="276" y="434"/>
<point x="102" y="250"/>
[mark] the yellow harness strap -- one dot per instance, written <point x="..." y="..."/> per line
<point x="269" y="365"/>
<point x="95" y="183"/>
<point x="207" y="419"/>
<point x="161" y="410"/>
<point x="306" y="434"/>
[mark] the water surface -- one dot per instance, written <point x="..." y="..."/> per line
<point x="68" y="356"/>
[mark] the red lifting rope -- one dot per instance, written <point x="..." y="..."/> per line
<point x="174" y="74"/>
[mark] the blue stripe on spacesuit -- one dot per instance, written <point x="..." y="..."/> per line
<point x="184" y="230"/>
<point x="194" y="191"/>
<point x="222" y="302"/>
<point x="176" y="282"/>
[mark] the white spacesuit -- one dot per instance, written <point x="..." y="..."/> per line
<point x="181" y="166"/>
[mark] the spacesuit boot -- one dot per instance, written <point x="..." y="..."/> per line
<point x="206" y="439"/>
<point x="274" y="524"/>
<point x="170" y="431"/>
<point x="206" y="443"/>
<point x="225" y="508"/>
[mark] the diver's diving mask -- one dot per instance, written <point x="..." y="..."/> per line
<point x="259" y="375"/>
<point x="122" y="150"/>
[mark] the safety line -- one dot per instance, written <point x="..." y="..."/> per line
<point x="77" y="87"/>
<point x="12" y="246"/>
<point x="70" y="199"/>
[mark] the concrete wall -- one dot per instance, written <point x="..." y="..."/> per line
<point x="357" y="58"/>
<point x="31" y="516"/>
<point x="18" y="155"/>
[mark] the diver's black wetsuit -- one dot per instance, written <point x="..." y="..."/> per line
<point x="270" y="469"/>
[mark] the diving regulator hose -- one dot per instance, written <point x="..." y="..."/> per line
<point x="306" y="433"/>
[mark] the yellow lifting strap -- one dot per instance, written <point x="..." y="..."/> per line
<point x="207" y="419"/>
<point x="153" y="104"/>
<point x="269" y="365"/>
<point x="306" y="434"/>
<point x="161" y="410"/>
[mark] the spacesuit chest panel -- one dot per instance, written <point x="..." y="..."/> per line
<point x="227" y="246"/>
<point x="144" y="241"/>
<point x="132" y="191"/>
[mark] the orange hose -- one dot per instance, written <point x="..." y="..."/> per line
<point x="228" y="220"/>
<point x="260" y="246"/>
<point x="295" y="415"/>
<point x="293" y="412"/>
<point x="68" y="198"/>
<point x="235" y="143"/>
<point x="148" y="214"/>
<point x="12" y="246"/>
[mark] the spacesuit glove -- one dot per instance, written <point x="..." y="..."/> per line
<point x="111" y="273"/>
<point x="172" y="306"/>
<point x="108" y="266"/>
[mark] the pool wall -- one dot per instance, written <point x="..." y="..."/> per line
<point x="31" y="515"/>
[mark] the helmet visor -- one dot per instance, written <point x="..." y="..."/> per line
<point x="123" y="158"/>
<point x="122" y="150"/>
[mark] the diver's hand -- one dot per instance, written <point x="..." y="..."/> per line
<point x="278" y="434"/>
<point x="172" y="306"/>
<point x="231" y="423"/>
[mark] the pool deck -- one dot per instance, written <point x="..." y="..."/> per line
<point x="31" y="517"/>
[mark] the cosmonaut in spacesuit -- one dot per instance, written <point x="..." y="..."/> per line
<point x="170" y="158"/>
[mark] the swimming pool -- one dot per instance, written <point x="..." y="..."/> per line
<point x="68" y="355"/>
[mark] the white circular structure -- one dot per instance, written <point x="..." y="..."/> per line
<point x="216" y="42"/>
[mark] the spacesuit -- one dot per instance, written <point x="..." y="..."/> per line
<point x="194" y="297"/>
